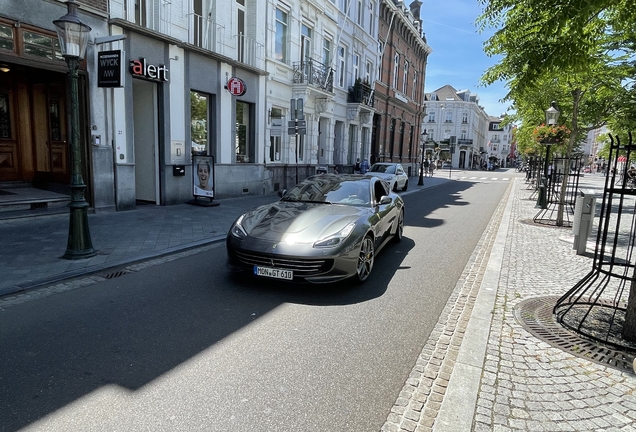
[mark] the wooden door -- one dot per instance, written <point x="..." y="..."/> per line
<point x="9" y="157"/>
<point x="49" y="133"/>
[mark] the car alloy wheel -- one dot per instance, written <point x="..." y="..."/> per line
<point x="365" y="259"/>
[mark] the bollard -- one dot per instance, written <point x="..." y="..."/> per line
<point x="584" y="210"/>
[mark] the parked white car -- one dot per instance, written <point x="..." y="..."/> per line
<point x="392" y="173"/>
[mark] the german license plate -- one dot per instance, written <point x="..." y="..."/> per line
<point x="273" y="273"/>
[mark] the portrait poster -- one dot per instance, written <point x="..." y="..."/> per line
<point x="203" y="176"/>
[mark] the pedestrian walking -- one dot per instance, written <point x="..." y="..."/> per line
<point x="364" y="166"/>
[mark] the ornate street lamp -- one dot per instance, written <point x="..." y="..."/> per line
<point x="73" y="36"/>
<point x="420" y="182"/>
<point x="551" y="117"/>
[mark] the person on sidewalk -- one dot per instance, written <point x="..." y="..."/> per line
<point x="425" y="169"/>
<point x="364" y="166"/>
<point x="356" y="167"/>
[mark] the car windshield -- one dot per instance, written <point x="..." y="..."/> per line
<point x="331" y="190"/>
<point x="388" y="169"/>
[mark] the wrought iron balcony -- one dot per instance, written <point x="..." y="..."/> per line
<point x="362" y="94"/>
<point x="313" y="73"/>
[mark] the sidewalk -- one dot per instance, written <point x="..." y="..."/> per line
<point x="481" y="370"/>
<point x="31" y="250"/>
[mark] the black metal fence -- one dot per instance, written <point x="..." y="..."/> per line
<point x="596" y="306"/>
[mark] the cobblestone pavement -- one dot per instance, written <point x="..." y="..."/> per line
<point x="482" y="371"/>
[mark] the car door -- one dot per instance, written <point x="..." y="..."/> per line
<point x="383" y="211"/>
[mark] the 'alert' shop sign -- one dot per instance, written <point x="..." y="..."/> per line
<point x="236" y="86"/>
<point x="142" y="69"/>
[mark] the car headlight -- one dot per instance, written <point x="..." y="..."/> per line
<point x="337" y="238"/>
<point x="237" y="229"/>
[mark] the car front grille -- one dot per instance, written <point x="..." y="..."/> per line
<point x="300" y="266"/>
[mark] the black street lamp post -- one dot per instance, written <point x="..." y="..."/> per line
<point x="420" y="181"/>
<point x="73" y="36"/>
<point x="551" y="117"/>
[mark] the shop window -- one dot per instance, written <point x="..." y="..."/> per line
<point x="6" y="38"/>
<point x="40" y="45"/>
<point x="275" y="135"/>
<point x="242" y="146"/>
<point x="199" y="108"/>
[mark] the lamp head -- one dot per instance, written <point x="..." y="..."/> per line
<point x="72" y="33"/>
<point x="552" y="114"/>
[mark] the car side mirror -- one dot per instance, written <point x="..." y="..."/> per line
<point x="385" y="200"/>
<point x="282" y="192"/>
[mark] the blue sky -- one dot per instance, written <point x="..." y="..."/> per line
<point x="458" y="57"/>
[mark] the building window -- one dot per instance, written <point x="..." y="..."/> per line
<point x="305" y="43"/>
<point x="344" y="6"/>
<point x="463" y="134"/>
<point x="326" y="52"/>
<point x="242" y="145"/>
<point x="341" y="66"/>
<point x="414" y="85"/>
<point x="465" y="117"/>
<point x="396" y="68"/>
<point x="371" y="21"/>
<point x="380" y="57"/>
<point x="406" y="77"/>
<point x="495" y="126"/>
<point x="199" y="103"/>
<point x="6" y="38"/>
<point x="368" y="71"/>
<point x="431" y="117"/>
<point x="280" y="50"/>
<point x="361" y="13"/>
<point x="356" y="66"/>
<point x="430" y="135"/>
<point x="449" y="116"/>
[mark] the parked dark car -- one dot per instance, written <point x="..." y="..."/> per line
<point x="327" y="228"/>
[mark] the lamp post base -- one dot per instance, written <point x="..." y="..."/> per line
<point x="79" y="238"/>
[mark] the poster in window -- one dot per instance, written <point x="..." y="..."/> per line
<point x="203" y="176"/>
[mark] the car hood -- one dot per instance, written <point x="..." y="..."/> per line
<point x="383" y="176"/>
<point x="297" y="222"/>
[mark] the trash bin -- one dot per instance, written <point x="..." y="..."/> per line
<point x="584" y="210"/>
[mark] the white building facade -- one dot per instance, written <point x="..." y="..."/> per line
<point x="498" y="146"/>
<point x="456" y="128"/>
<point x="316" y="50"/>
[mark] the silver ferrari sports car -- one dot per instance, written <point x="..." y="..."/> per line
<point x="327" y="228"/>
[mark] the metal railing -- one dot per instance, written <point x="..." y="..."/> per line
<point x="361" y="94"/>
<point x="249" y="51"/>
<point x="314" y="73"/>
<point x="205" y="33"/>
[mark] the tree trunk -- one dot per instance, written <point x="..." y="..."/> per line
<point x="629" y="328"/>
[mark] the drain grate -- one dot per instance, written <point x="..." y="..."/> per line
<point x="535" y="315"/>
<point x="116" y="274"/>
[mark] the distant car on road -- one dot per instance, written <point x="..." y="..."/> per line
<point x="392" y="173"/>
<point x="446" y="165"/>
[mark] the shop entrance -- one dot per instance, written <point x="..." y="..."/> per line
<point x="33" y="127"/>
<point x="146" y="141"/>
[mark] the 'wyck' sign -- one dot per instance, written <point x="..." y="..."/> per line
<point x="109" y="68"/>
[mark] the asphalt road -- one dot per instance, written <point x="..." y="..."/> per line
<point x="186" y="346"/>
